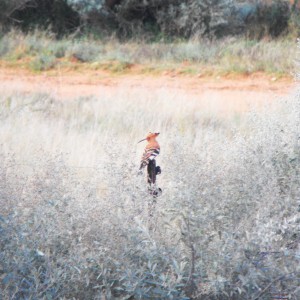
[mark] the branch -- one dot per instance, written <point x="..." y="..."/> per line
<point x="270" y="284"/>
<point x="295" y="5"/>
<point x="24" y="4"/>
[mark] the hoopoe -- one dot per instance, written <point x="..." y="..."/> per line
<point x="148" y="159"/>
<point x="152" y="149"/>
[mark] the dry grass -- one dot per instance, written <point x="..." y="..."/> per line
<point x="40" y="51"/>
<point x="74" y="214"/>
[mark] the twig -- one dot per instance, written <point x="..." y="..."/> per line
<point x="270" y="284"/>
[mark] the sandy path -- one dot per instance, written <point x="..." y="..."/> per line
<point x="216" y="94"/>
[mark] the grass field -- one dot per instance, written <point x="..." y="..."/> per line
<point x="74" y="218"/>
<point x="40" y="51"/>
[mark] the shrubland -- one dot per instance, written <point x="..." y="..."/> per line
<point x="152" y="18"/>
<point x="74" y="214"/>
<point x="190" y="37"/>
<point x="40" y="51"/>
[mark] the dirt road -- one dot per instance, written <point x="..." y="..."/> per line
<point x="216" y="94"/>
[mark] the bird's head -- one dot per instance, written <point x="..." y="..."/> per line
<point x="150" y="136"/>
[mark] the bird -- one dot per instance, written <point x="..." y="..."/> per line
<point x="151" y="151"/>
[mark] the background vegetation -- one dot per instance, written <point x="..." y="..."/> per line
<point x="191" y="37"/>
<point x="40" y="51"/>
<point x="154" y="19"/>
<point x="74" y="214"/>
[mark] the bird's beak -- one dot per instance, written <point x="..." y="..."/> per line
<point x="157" y="133"/>
<point x="141" y="140"/>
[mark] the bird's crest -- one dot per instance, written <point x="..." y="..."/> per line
<point x="150" y="136"/>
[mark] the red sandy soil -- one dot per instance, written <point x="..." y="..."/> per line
<point x="216" y="94"/>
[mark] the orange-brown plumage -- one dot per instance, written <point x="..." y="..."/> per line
<point x="152" y="142"/>
<point x="152" y="149"/>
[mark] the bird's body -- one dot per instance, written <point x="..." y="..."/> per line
<point x="152" y="149"/>
<point x="148" y="159"/>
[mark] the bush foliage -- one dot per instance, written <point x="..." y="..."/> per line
<point x="154" y="18"/>
<point x="74" y="220"/>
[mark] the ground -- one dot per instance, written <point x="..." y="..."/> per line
<point x="219" y="95"/>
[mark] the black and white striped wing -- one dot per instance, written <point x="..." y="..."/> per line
<point x="148" y="155"/>
<point x="151" y="154"/>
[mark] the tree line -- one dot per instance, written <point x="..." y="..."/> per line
<point x="152" y="18"/>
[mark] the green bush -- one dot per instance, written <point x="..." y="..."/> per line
<point x="28" y="15"/>
<point x="8" y="8"/>
<point x="294" y="25"/>
<point x="43" y="61"/>
<point x="267" y="19"/>
<point x="155" y="19"/>
<point x="6" y="45"/>
<point x="85" y="51"/>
